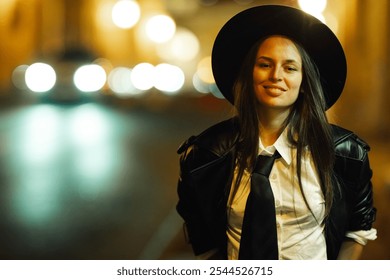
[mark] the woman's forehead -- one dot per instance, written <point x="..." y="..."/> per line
<point x="279" y="47"/>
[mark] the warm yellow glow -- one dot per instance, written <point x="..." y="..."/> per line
<point x="184" y="46"/>
<point x="40" y="77"/>
<point x="244" y="2"/>
<point x="204" y="70"/>
<point x="313" y="7"/>
<point x="169" y="78"/>
<point x="332" y="22"/>
<point x="184" y="8"/>
<point x="142" y="76"/>
<point x="160" y="28"/>
<point x="104" y="16"/>
<point x="89" y="78"/>
<point x="203" y="80"/>
<point x="320" y="17"/>
<point x="126" y="13"/>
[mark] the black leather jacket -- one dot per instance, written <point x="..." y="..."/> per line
<point x="206" y="171"/>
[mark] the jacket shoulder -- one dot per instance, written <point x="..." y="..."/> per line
<point x="218" y="138"/>
<point x="348" y="144"/>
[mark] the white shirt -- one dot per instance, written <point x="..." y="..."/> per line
<point x="300" y="235"/>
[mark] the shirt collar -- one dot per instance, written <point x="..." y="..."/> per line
<point x="281" y="145"/>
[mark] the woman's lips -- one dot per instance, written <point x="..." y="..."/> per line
<point x="274" y="87"/>
<point x="274" y="90"/>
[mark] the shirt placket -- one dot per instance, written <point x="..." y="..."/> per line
<point x="276" y="189"/>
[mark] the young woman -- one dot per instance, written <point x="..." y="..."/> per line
<point x="281" y="69"/>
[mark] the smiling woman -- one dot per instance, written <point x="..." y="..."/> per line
<point x="272" y="182"/>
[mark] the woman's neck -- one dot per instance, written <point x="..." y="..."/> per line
<point x="271" y="125"/>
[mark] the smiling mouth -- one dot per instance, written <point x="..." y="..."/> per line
<point x="274" y="88"/>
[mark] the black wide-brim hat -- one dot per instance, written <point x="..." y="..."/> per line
<point x="243" y="30"/>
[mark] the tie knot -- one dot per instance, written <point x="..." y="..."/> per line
<point x="264" y="164"/>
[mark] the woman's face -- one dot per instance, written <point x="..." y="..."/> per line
<point x="277" y="74"/>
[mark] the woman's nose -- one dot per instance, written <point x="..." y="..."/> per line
<point x="276" y="75"/>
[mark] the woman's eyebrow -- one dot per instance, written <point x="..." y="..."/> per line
<point x="285" y="61"/>
<point x="265" y="57"/>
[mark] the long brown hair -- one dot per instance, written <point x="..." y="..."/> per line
<point x="307" y="124"/>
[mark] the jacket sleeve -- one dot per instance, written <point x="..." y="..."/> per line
<point x="355" y="172"/>
<point x="188" y="209"/>
<point x="197" y="229"/>
<point x="206" y="171"/>
<point x="364" y="212"/>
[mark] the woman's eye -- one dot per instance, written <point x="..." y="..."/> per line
<point x="291" y="69"/>
<point x="264" y="65"/>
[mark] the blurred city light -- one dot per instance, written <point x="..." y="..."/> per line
<point x="126" y="13"/>
<point x="160" y="28"/>
<point x="91" y="132"/>
<point x="89" y="78"/>
<point x="168" y="78"/>
<point x="119" y="81"/>
<point x="184" y="46"/>
<point x="40" y="77"/>
<point x="142" y="76"/>
<point x="204" y="70"/>
<point x="38" y="142"/>
<point x="88" y="126"/>
<point x="18" y="77"/>
<point x="314" y="7"/>
<point x="199" y="85"/>
<point x="40" y="135"/>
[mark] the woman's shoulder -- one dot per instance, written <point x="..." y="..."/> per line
<point x="348" y="144"/>
<point x="219" y="138"/>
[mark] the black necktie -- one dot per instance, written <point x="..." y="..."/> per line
<point x="258" y="237"/>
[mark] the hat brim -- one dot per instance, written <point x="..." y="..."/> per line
<point x="242" y="31"/>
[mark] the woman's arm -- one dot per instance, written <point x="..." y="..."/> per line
<point x="350" y="250"/>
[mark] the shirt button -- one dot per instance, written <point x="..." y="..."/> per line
<point x="273" y="176"/>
